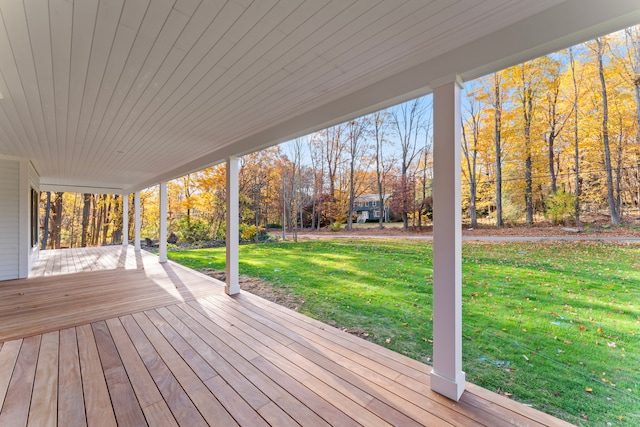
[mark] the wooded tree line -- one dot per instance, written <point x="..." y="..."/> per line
<point x="79" y="220"/>
<point x="550" y="139"/>
<point x="557" y="136"/>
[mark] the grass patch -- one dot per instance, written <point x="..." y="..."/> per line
<point x="555" y="325"/>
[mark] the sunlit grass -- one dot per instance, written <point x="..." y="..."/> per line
<point x="555" y="325"/>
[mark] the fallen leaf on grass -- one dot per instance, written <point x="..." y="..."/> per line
<point x="612" y="344"/>
<point x="588" y="390"/>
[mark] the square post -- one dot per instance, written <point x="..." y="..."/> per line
<point x="447" y="377"/>
<point x="136" y="207"/>
<point x="125" y="220"/>
<point x="233" y="234"/>
<point x="162" y="246"/>
<point x="24" y="229"/>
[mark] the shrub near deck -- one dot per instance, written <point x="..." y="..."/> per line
<point x="554" y="325"/>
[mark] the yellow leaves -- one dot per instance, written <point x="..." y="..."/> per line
<point x="588" y="390"/>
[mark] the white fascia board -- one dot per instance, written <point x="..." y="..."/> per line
<point x="64" y="188"/>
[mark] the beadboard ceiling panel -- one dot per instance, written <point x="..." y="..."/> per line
<point x="117" y="95"/>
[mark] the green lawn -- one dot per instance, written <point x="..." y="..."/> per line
<point x="554" y="325"/>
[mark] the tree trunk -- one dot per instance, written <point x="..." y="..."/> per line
<point x="116" y="231"/>
<point x="527" y="111"/>
<point x="72" y="229"/>
<point x="378" y="122"/>
<point x="470" y="159"/>
<point x="95" y="220"/>
<point x="351" y="193"/>
<point x="637" y="91"/>
<point x="57" y="221"/>
<point x="498" y="150"/>
<point x="47" y="215"/>
<point x="103" y="220"/>
<point x="86" y="209"/>
<point x="528" y="191"/>
<point x="552" y="169"/>
<point x="576" y="141"/>
<point x="615" y="214"/>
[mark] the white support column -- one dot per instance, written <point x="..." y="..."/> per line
<point x="136" y="207"/>
<point x="125" y="220"/>
<point x="233" y="236"/>
<point x="447" y="377"/>
<point x="24" y="204"/>
<point x="162" y="246"/>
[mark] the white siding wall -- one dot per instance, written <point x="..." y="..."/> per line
<point x="9" y="219"/>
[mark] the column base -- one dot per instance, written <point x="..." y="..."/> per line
<point x="448" y="387"/>
<point x="232" y="290"/>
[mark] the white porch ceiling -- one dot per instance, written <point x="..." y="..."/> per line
<point x="121" y="94"/>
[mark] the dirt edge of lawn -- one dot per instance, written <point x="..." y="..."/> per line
<point x="278" y="295"/>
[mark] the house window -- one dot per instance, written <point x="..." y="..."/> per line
<point x="35" y="201"/>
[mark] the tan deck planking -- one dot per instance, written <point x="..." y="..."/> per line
<point x="135" y="343"/>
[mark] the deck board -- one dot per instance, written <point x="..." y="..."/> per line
<point x="15" y="410"/>
<point x="107" y="336"/>
<point x="44" y="401"/>
<point x="71" y="402"/>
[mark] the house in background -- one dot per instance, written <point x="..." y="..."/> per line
<point x="367" y="208"/>
<point x="102" y="96"/>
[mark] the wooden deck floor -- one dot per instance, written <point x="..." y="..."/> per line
<point x="138" y="343"/>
